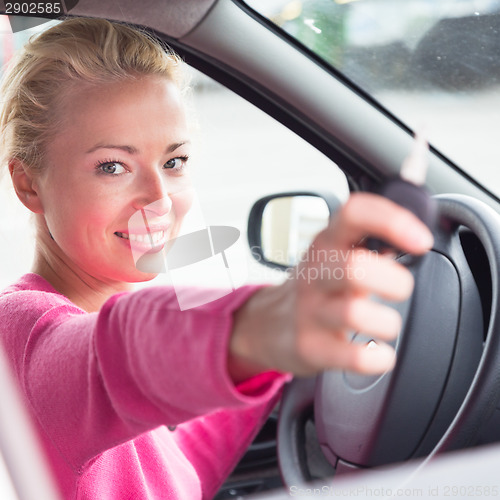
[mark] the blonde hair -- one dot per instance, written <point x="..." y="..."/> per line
<point x="72" y="53"/>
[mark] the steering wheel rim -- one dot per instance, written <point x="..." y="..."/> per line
<point x="483" y="393"/>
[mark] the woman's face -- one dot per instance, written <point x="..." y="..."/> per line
<point x="116" y="183"/>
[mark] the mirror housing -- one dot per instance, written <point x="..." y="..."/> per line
<point x="282" y="226"/>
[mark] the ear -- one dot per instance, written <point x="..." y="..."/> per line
<point x="25" y="186"/>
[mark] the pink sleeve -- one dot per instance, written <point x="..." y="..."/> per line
<point x="214" y="444"/>
<point x="97" y="380"/>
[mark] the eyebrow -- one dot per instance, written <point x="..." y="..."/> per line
<point x="133" y="150"/>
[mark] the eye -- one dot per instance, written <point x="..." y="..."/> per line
<point x="111" y="168"/>
<point x="177" y="164"/>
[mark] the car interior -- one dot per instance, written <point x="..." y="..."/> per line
<point x="306" y="125"/>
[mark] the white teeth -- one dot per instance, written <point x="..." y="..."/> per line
<point x="156" y="237"/>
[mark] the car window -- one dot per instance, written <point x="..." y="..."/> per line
<point x="432" y="64"/>
<point x="241" y="154"/>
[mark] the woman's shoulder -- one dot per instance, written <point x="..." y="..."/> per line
<point x="30" y="303"/>
<point x="31" y="292"/>
<point x="29" y="281"/>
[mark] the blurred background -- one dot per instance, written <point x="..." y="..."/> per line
<point x="433" y="64"/>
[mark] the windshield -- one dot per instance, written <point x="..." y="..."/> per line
<point x="432" y="64"/>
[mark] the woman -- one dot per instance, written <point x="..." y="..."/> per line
<point x="94" y="131"/>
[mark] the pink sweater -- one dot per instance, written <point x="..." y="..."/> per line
<point x="102" y="387"/>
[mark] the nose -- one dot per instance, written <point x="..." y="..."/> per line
<point x="152" y="193"/>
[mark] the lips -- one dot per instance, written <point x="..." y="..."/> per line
<point x="154" y="238"/>
<point x="146" y="232"/>
<point x="141" y="241"/>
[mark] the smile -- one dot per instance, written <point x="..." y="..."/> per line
<point x="156" y="238"/>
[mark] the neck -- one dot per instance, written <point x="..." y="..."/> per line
<point x="85" y="291"/>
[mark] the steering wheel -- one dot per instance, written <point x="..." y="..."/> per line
<point x="443" y="392"/>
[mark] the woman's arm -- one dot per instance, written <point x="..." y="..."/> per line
<point x="93" y="381"/>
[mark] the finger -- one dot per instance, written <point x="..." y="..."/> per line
<point x="369" y="214"/>
<point x="370" y="359"/>
<point x="380" y="275"/>
<point x="332" y="352"/>
<point x="362" y="271"/>
<point x="360" y="314"/>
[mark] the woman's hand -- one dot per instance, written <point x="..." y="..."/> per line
<point x="303" y="326"/>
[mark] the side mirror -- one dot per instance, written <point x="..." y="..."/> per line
<point x="282" y="226"/>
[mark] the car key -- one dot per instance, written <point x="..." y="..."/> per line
<point x="408" y="191"/>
